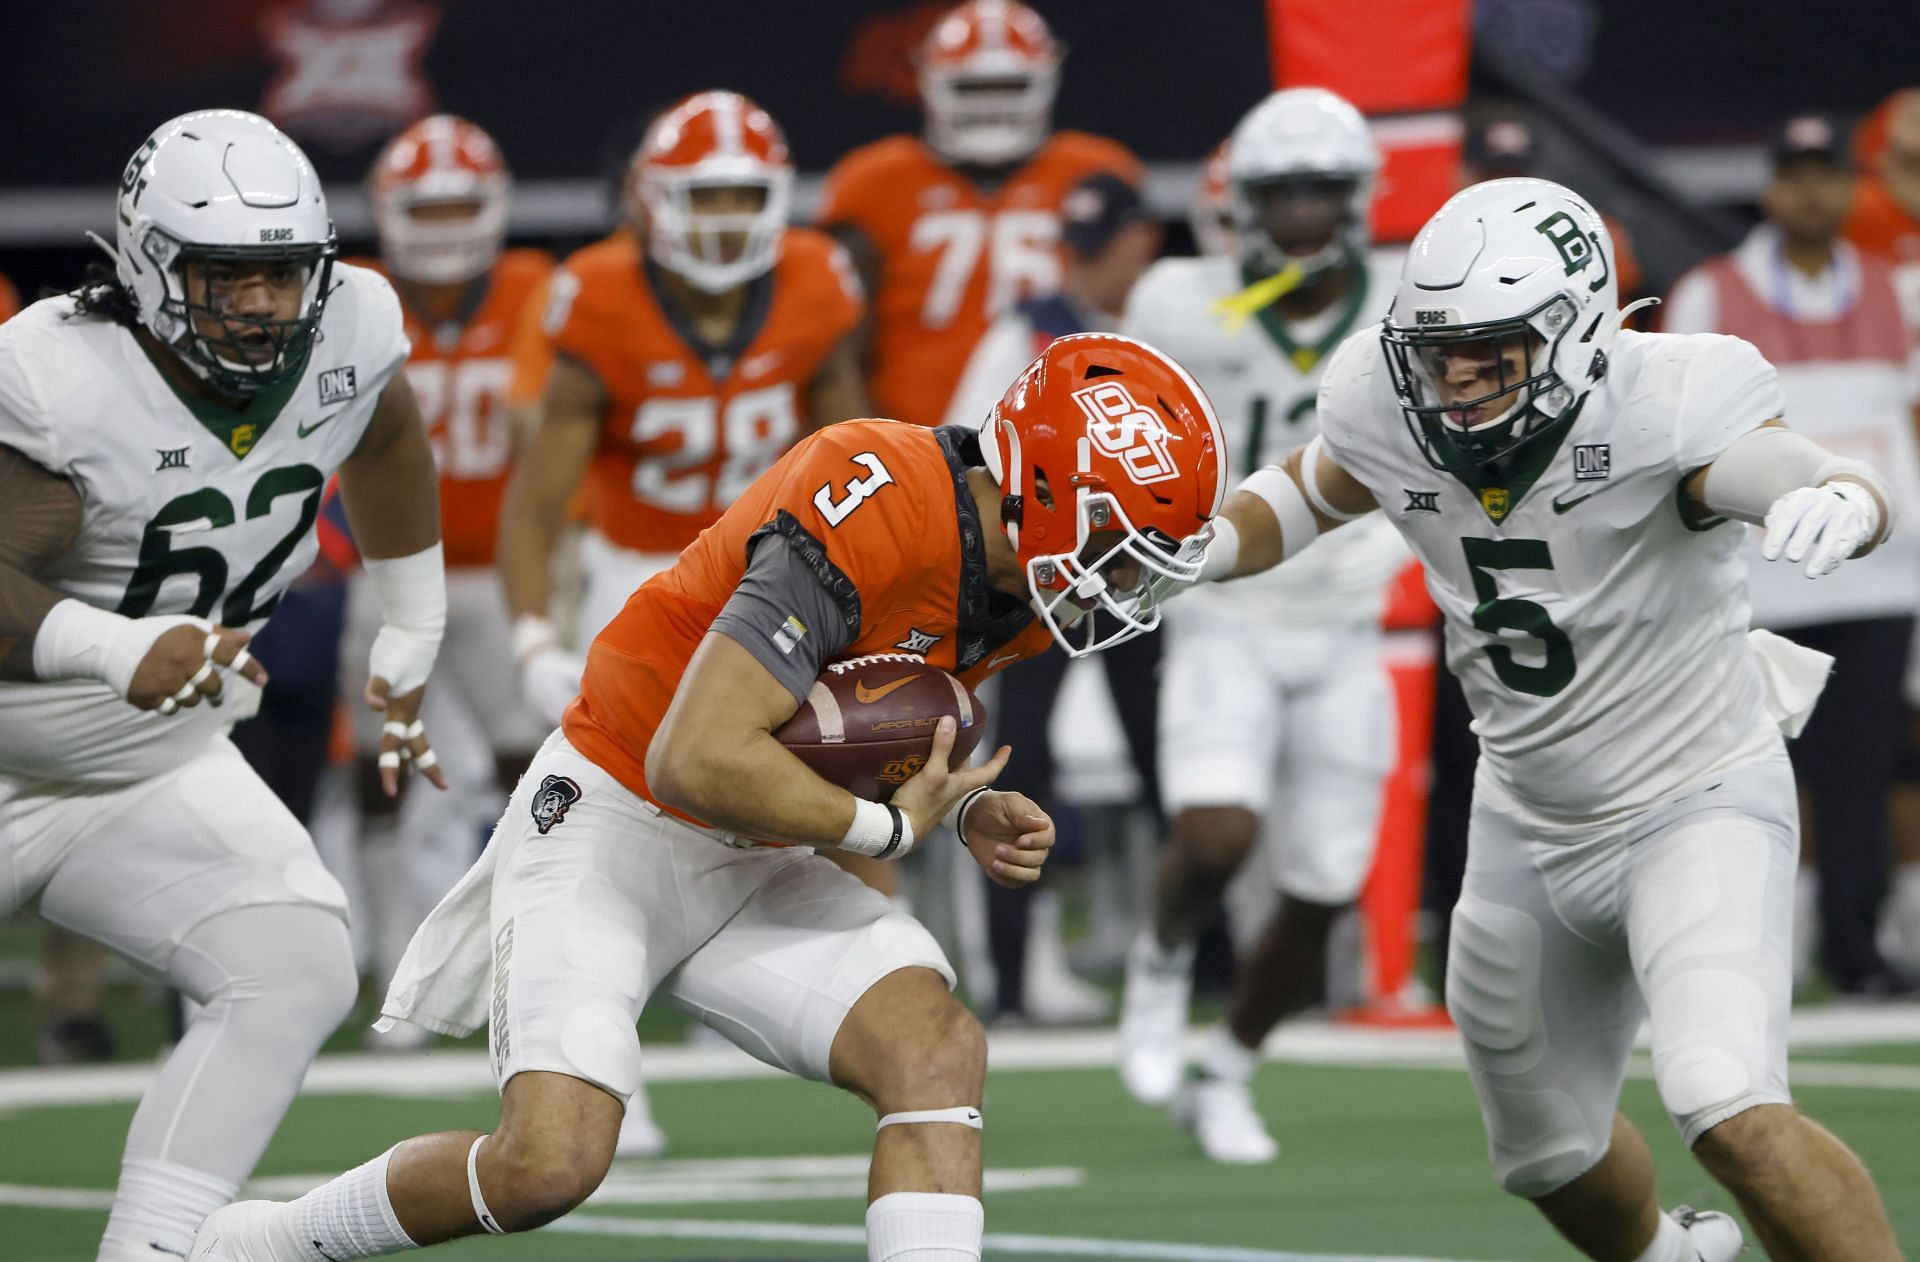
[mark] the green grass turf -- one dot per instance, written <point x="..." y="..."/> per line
<point x="1376" y="1161"/>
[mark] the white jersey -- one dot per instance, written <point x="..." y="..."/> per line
<point x="1598" y="628"/>
<point x="1264" y="378"/>
<point x="181" y="515"/>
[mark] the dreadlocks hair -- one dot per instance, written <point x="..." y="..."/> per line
<point x="101" y="296"/>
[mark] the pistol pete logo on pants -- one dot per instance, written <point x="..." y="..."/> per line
<point x="556" y="794"/>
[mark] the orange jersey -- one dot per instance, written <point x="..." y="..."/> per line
<point x="683" y="437"/>
<point x="1880" y="226"/>
<point x="9" y="300"/>
<point x="953" y="256"/>
<point x="460" y="375"/>
<point x="879" y="509"/>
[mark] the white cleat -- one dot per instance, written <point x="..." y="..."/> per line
<point x="245" y="1231"/>
<point x="1221" y="1115"/>
<point x="1153" y="1020"/>
<point x="1714" y="1236"/>
<point x="639" y="1136"/>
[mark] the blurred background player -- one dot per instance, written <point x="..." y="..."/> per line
<point x="950" y="229"/>
<point x="1210" y="212"/>
<point x="1276" y="719"/>
<point x="440" y="192"/>
<point x="688" y="355"/>
<point x="1109" y="240"/>
<point x="1827" y="318"/>
<point x="196" y="382"/>
<point x="1885" y="217"/>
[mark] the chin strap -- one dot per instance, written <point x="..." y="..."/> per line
<point x="1236" y="309"/>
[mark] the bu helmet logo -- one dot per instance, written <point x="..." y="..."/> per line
<point x="1576" y="246"/>
<point x="1121" y="428"/>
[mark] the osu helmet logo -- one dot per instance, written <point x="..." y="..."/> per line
<point x="1128" y="432"/>
<point x="550" y="803"/>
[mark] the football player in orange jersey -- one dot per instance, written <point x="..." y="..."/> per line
<point x="9" y="299"/>
<point x="439" y="195"/>
<point x="950" y="230"/>
<point x="688" y="355"/>
<point x="627" y="860"/>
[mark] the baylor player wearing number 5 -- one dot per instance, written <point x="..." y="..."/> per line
<point x="633" y="857"/>
<point x="1567" y="484"/>
<point x="165" y="435"/>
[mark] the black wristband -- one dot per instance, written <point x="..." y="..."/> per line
<point x="960" y="812"/>
<point x="899" y="831"/>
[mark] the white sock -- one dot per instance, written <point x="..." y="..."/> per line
<point x="1226" y="1057"/>
<point x="158" y="1208"/>
<point x="1670" y="1244"/>
<point x="351" y="1216"/>
<point x="924" y="1227"/>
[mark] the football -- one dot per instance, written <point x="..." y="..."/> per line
<point x="868" y="722"/>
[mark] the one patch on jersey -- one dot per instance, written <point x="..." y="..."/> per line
<point x="788" y="634"/>
<point x="550" y="804"/>
<point x="337" y="385"/>
<point x="1592" y="462"/>
<point x="917" y="641"/>
<point x="1422" y="501"/>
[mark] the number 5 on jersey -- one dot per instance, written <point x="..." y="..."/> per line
<point x="857" y="489"/>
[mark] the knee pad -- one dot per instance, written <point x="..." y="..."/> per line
<point x="292" y="961"/>
<point x="599" y="1041"/>
<point x="1493" y="986"/>
<point x="1711" y="1059"/>
<point x="1558" y="1154"/>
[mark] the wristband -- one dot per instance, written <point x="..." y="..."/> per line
<point x="412" y="593"/>
<point x="78" y="641"/>
<point x="531" y="633"/>
<point x="1223" y="551"/>
<point x="956" y="817"/>
<point x="879" y="831"/>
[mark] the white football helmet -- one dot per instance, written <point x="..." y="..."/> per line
<point x="222" y="185"/>
<point x="713" y="139"/>
<point x="1301" y="134"/>
<point x="988" y="74"/>
<point x="1509" y="259"/>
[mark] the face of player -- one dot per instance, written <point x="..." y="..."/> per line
<point x="716" y="211"/>
<point x="233" y="302"/>
<point x="1808" y="199"/>
<point x="1484" y="375"/>
<point x="1302" y="214"/>
<point x="443" y="212"/>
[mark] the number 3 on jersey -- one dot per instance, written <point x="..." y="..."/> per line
<point x="1496" y="613"/>
<point x="857" y="489"/>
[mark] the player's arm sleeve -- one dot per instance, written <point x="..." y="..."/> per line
<point x="379" y="326"/>
<point x="783" y="614"/>
<point x="1729" y="389"/>
<point x="998" y="357"/>
<point x="1692" y="307"/>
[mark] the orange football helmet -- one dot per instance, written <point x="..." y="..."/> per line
<point x="988" y="74"/>
<point x="440" y="161"/>
<point x="1110" y="462"/>
<point x="713" y="140"/>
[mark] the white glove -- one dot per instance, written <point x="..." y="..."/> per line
<point x="1823" y="525"/>
<point x="550" y="680"/>
<point x="1215" y="547"/>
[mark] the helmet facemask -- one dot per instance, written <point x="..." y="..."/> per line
<point x="239" y="355"/>
<point x="716" y="250"/>
<point x="441" y="248"/>
<point x="989" y="118"/>
<point x="1534" y="402"/>
<point x="1277" y="221"/>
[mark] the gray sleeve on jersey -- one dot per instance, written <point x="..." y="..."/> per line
<point x="1729" y="389"/>
<point x="782" y="615"/>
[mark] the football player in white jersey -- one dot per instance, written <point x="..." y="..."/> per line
<point x="1276" y="722"/>
<point x="1633" y="838"/>
<point x="166" y="432"/>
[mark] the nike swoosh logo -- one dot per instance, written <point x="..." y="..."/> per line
<point x="1561" y="506"/>
<point x="321" y="1250"/>
<point x="308" y="429"/>
<point x="865" y="694"/>
<point x="1004" y="657"/>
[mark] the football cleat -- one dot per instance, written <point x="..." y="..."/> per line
<point x="640" y="1136"/>
<point x="246" y="1231"/>
<point x="1221" y="1115"/>
<point x="1715" y="1237"/>
<point x="1153" y="1020"/>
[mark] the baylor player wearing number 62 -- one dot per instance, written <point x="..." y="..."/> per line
<point x="166" y="432"/>
<point x="1633" y="839"/>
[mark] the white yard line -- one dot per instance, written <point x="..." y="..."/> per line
<point x="995" y="1242"/>
<point x="460" y="1073"/>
